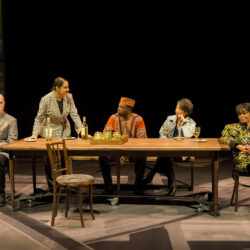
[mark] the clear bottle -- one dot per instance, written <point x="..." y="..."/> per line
<point x="84" y="132"/>
<point x="48" y="130"/>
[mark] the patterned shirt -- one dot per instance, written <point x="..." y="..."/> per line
<point x="233" y="135"/>
<point x="133" y="127"/>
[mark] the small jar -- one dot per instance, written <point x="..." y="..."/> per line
<point x="117" y="135"/>
<point x="98" y="135"/>
<point x="107" y="135"/>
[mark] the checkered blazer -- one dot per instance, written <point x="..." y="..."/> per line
<point x="48" y="107"/>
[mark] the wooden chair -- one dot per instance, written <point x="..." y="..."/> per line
<point x="189" y="164"/>
<point x="236" y="176"/>
<point x="194" y="162"/>
<point x="64" y="180"/>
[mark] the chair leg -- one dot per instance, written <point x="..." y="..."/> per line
<point x="80" y="205"/>
<point x="91" y="201"/>
<point x="233" y="194"/>
<point x="54" y="209"/>
<point x="67" y="202"/>
<point x="58" y="198"/>
<point x="192" y="177"/>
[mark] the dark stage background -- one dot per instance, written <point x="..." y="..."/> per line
<point x="151" y="52"/>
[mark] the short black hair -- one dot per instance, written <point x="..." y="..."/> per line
<point x="243" y="106"/>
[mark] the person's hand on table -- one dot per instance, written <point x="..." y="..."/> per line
<point x="33" y="137"/>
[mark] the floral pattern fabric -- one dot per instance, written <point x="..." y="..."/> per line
<point x="133" y="127"/>
<point x="237" y="134"/>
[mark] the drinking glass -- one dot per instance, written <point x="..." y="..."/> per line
<point x="196" y="133"/>
<point x="78" y="131"/>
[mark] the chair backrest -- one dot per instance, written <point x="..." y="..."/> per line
<point x="58" y="158"/>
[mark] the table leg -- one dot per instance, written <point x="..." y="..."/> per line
<point x="118" y="174"/>
<point x="12" y="184"/>
<point x="34" y="173"/>
<point x="215" y="172"/>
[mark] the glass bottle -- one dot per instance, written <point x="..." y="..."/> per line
<point x="84" y="132"/>
<point x="48" y="130"/>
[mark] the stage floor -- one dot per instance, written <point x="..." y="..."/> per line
<point x="133" y="224"/>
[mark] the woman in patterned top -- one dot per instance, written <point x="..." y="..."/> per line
<point x="56" y="105"/>
<point x="237" y="136"/>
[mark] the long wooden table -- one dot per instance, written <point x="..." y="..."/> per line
<point x="134" y="147"/>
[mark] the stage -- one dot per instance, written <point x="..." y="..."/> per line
<point x="133" y="225"/>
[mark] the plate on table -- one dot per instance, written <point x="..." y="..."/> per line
<point x="179" y="138"/>
<point x="69" y="138"/>
<point x="200" y="140"/>
<point x="30" y="140"/>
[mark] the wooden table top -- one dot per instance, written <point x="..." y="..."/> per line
<point x="133" y="144"/>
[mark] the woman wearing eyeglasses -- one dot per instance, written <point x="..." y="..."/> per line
<point x="237" y="136"/>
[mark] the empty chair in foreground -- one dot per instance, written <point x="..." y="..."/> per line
<point x="64" y="180"/>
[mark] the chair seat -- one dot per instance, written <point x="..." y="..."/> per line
<point x="241" y="173"/>
<point x="75" y="179"/>
<point x="196" y="163"/>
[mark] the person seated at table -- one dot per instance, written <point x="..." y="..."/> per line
<point x="127" y="123"/>
<point x="8" y="133"/>
<point x="56" y="105"/>
<point x="237" y="136"/>
<point x="178" y="125"/>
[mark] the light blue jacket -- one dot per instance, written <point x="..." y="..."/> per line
<point x="185" y="128"/>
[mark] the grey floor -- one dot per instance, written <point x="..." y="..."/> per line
<point x="134" y="223"/>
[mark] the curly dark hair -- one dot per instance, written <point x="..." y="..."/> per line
<point x="186" y="105"/>
<point x="243" y="106"/>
